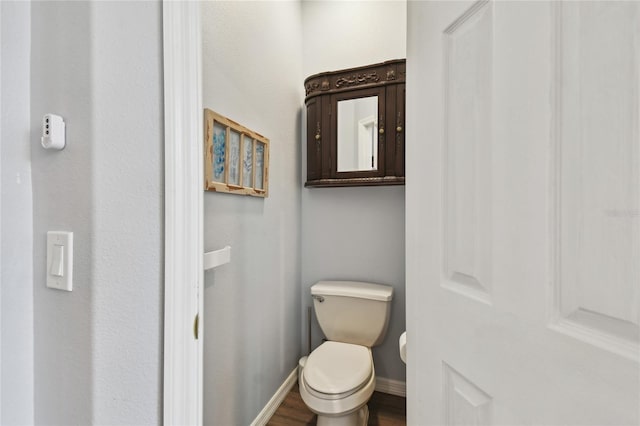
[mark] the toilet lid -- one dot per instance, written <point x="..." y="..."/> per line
<point x="336" y="368"/>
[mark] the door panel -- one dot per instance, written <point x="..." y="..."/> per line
<point x="467" y="152"/>
<point x="465" y="403"/>
<point x="597" y="175"/>
<point x="522" y="200"/>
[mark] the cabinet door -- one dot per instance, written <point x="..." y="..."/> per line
<point x="314" y="138"/>
<point x="399" y="130"/>
<point x="395" y="130"/>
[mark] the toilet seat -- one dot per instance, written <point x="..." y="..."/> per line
<point x="342" y="404"/>
<point x="336" y="370"/>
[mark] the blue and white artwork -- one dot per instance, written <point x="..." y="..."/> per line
<point x="259" y="165"/>
<point x="234" y="158"/>
<point x="247" y="162"/>
<point x="219" y="136"/>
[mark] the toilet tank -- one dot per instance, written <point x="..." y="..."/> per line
<point x="351" y="311"/>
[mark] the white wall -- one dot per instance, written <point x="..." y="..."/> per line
<point x="252" y="324"/>
<point x="16" y="268"/>
<point x="98" y="349"/>
<point x="354" y="233"/>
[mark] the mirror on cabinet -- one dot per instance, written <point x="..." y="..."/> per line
<point x="358" y="134"/>
<point x="347" y="114"/>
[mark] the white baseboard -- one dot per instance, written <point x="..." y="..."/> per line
<point x="277" y="398"/>
<point x="393" y="387"/>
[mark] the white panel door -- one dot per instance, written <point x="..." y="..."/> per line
<point x="523" y="213"/>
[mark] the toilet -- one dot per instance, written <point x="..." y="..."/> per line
<point x="338" y="378"/>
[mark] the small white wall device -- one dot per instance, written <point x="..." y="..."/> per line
<point x="53" y="132"/>
<point x="60" y="260"/>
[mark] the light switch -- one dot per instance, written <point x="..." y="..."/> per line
<point x="60" y="260"/>
<point x="57" y="261"/>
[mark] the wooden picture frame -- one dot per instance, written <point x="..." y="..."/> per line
<point x="236" y="159"/>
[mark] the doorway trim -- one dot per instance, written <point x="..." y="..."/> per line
<point x="183" y="360"/>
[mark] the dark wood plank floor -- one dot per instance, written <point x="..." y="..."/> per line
<point x="384" y="410"/>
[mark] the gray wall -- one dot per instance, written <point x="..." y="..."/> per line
<point x="61" y="84"/>
<point x="98" y="356"/>
<point x="98" y="349"/>
<point x="354" y="233"/>
<point x="16" y="225"/>
<point x="128" y="205"/>
<point x="252" y="324"/>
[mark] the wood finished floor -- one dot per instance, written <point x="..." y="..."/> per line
<point x="384" y="410"/>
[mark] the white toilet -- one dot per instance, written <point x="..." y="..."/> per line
<point x="338" y="377"/>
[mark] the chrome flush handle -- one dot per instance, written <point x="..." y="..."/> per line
<point x="318" y="298"/>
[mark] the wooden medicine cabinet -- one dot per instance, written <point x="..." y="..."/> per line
<point x="355" y="126"/>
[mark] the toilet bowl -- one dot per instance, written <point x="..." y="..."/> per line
<point x="336" y="382"/>
<point x="338" y="378"/>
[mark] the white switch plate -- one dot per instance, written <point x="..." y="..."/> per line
<point x="60" y="260"/>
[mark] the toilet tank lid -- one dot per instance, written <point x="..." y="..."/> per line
<point x="359" y="289"/>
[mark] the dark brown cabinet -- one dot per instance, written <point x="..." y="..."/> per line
<point x="355" y="126"/>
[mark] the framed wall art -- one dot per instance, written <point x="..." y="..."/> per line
<point x="236" y="158"/>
